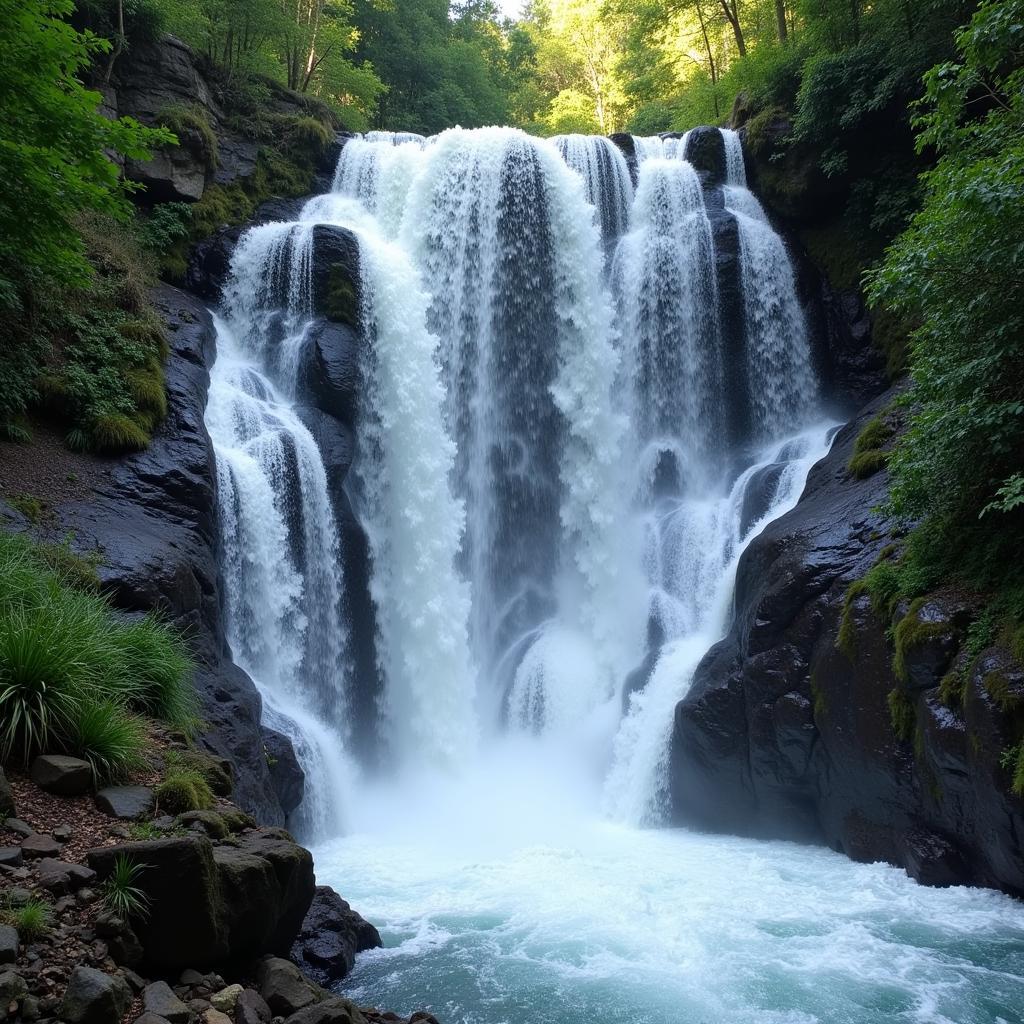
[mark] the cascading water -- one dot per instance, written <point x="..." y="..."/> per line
<point x="545" y="476"/>
<point x="605" y="173"/>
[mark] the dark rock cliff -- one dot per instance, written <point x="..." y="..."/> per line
<point x="782" y="734"/>
<point x="153" y="519"/>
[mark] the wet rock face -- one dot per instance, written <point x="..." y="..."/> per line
<point x="331" y="936"/>
<point x="705" y="149"/>
<point x="784" y="735"/>
<point x="214" y="903"/>
<point x="154" y="520"/>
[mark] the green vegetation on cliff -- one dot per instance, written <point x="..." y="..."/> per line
<point x="73" y="676"/>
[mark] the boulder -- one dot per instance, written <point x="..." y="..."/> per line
<point x="336" y="1010"/>
<point x="150" y="1018"/>
<point x="226" y="999"/>
<point x="93" y="997"/>
<point x="284" y="987"/>
<point x="210" y="905"/>
<point x="128" y="803"/>
<point x="335" y="274"/>
<point x="12" y="989"/>
<point x="215" y="1016"/>
<point x="331" y="935"/>
<point x="209" y="822"/>
<point x="10" y="856"/>
<point x="35" y="847"/>
<point x="251" y="1008"/>
<point x="19" y="827"/>
<point x="330" y="373"/>
<point x="61" y="775"/>
<point x="60" y="878"/>
<point x="705" y="150"/>
<point x="8" y="944"/>
<point x="159" y="999"/>
<point x="7" y="808"/>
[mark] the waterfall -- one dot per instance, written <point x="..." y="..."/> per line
<point x="542" y="468"/>
<point x="605" y="173"/>
<point x="279" y="563"/>
<point x="506" y="243"/>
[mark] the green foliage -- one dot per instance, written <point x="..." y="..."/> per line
<point x="53" y="148"/>
<point x="72" y="675"/>
<point x="191" y="127"/>
<point x="183" y="790"/>
<point x="32" y="508"/>
<point x="121" y="894"/>
<point x="32" y="919"/>
<point x="901" y="714"/>
<point x="868" y="457"/>
<point x="1012" y="760"/>
<point x="957" y="271"/>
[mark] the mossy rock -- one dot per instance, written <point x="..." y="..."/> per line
<point x="210" y="822"/>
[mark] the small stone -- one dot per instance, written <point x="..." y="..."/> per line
<point x="36" y="846"/>
<point x="150" y="1018"/>
<point x="12" y="988"/>
<point x="213" y="1016"/>
<point x="226" y="998"/>
<point x="159" y="999"/>
<point x="93" y="997"/>
<point x="58" y="877"/>
<point x="61" y="775"/>
<point x="190" y="977"/>
<point x="30" y="1008"/>
<point x="209" y="822"/>
<point x="331" y="1011"/>
<point x="10" y="856"/>
<point x="84" y="896"/>
<point x="198" y="1006"/>
<point x="126" y="802"/>
<point x="164" y="823"/>
<point x="62" y="833"/>
<point x="8" y="944"/>
<point x="251" y="1008"/>
<point x="19" y="826"/>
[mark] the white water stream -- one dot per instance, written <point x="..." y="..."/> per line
<point x="548" y="473"/>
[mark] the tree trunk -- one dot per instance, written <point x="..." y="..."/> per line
<point x="780" y="18"/>
<point x="118" y="46"/>
<point x="731" y="11"/>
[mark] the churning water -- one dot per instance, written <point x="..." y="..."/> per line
<point x="559" y="460"/>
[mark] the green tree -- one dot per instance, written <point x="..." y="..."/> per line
<point x="55" y="146"/>
<point x="959" y="271"/>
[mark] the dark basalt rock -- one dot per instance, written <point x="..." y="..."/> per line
<point x="331" y="936"/>
<point x="705" y="149"/>
<point x="331" y="373"/>
<point x="286" y="775"/>
<point x="126" y="802"/>
<point x="628" y="147"/>
<point x="93" y="997"/>
<point x="216" y="904"/>
<point x="783" y="735"/>
<point x="335" y="274"/>
<point x="61" y="775"/>
<point x="7" y="808"/>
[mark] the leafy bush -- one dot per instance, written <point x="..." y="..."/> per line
<point x="121" y="895"/>
<point x="72" y="674"/>
<point x="182" y="790"/>
<point x="957" y="271"/>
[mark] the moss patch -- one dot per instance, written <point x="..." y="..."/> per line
<point x="867" y="463"/>
<point x="901" y="714"/>
<point x="911" y="632"/>
<point x="192" y="126"/>
<point x="341" y="301"/>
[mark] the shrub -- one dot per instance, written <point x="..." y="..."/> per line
<point x="31" y="920"/>
<point x="184" y="789"/>
<point x="111" y="739"/>
<point x="71" y="672"/>
<point x="206" y="765"/>
<point x="121" y="895"/>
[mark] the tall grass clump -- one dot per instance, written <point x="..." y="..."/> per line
<point x="73" y="676"/>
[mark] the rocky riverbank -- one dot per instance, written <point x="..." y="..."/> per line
<point x="115" y="910"/>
